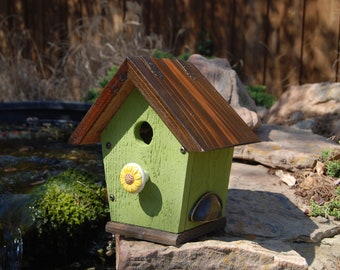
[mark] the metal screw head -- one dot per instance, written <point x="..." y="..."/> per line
<point x="108" y="145"/>
<point x="182" y="150"/>
<point x="123" y="76"/>
<point x="112" y="197"/>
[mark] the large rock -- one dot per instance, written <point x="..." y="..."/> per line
<point x="220" y="74"/>
<point x="310" y="106"/>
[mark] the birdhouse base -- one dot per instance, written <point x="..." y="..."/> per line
<point x="163" y="237"/>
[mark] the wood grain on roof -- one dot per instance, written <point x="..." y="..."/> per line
<point x="183" y="98"/>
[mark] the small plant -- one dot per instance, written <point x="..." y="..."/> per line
<point x="325" y="154"/>
<point x="261" y="98"/>
<point x="94" y="93"/>
<point x="162" y="54"/>
<point x="331" y="159"/>
<point x="184" y="57"/>
<point x="316" y="210"/>
<point x="333" y="168"/>
<point x="205" y="45"/>
<point x="331" y="208"/>
<point x="104" y="81"/>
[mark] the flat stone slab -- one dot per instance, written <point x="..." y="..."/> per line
<point x="209" y="254"/>
<point x="260" y="205"/>
<point x="285" y="147"/>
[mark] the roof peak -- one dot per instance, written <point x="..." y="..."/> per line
<point x="183" y="98"/>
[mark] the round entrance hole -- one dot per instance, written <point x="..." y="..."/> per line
<point x="145" y="132"/>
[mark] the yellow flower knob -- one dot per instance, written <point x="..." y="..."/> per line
<point x="133" y="178"/>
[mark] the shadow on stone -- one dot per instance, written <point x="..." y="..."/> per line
<point x="261" y="215"/>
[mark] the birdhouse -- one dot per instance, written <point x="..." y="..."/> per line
<point x="167" y="140"/>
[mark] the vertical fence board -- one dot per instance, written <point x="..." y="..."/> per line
<point x="159" y="22"/>
<point x="114" y="11"/>
<point x="4" y="12"/>
<point x="222" y="29"/>
<point x="254" y="30"/>
<point x="73" y="20"/>
<point x="238" y="47"/>
<point x="276" y="43"/>
<point x="197" y="25"/>
<point x="284" y="44"/>
<point x="249" y="35"/>
<point x="180" y="28"/>
<point x="320" y="48"/>
<point x="54" y="31"/>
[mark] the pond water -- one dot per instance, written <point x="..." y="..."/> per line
<point x="29" y="155"/>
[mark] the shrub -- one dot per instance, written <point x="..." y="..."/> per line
<point x="261" y="98"/>
<point x="204" y="44"/>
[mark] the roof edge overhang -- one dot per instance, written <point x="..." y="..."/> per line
<point x="180" y="95"/>
<point x="89" y="129"/>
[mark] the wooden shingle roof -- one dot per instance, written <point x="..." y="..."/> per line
<point x="184" y="99"/>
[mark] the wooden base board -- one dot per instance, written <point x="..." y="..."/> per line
<point x="163" y="237"/>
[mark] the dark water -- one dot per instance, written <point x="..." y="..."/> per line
<point x="27" y="159"/>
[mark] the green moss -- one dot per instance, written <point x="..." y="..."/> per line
<point x="69" y="213"/>
<point x="68" y="203"/>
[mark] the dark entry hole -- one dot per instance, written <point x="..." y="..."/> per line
<point x="146" y="132"/>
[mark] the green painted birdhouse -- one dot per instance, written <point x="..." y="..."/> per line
<point x="167" y="140"/>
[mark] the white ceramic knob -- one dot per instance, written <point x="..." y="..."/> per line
<point x="133" y="178"/>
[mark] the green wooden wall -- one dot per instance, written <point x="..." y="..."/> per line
<point x="176" y="181"/>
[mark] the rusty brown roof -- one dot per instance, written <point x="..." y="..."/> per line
<point x="187" y="103"/>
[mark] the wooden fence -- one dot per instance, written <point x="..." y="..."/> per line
<point x="275" y="43"/>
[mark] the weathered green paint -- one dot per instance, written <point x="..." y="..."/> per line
<point x="176" y="181"/>
<point x="206" y="172"/>
<point x="160" y="203"/>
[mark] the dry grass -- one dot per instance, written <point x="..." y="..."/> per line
<point x="72" y="66"/>
<point x="20" y="78"/>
